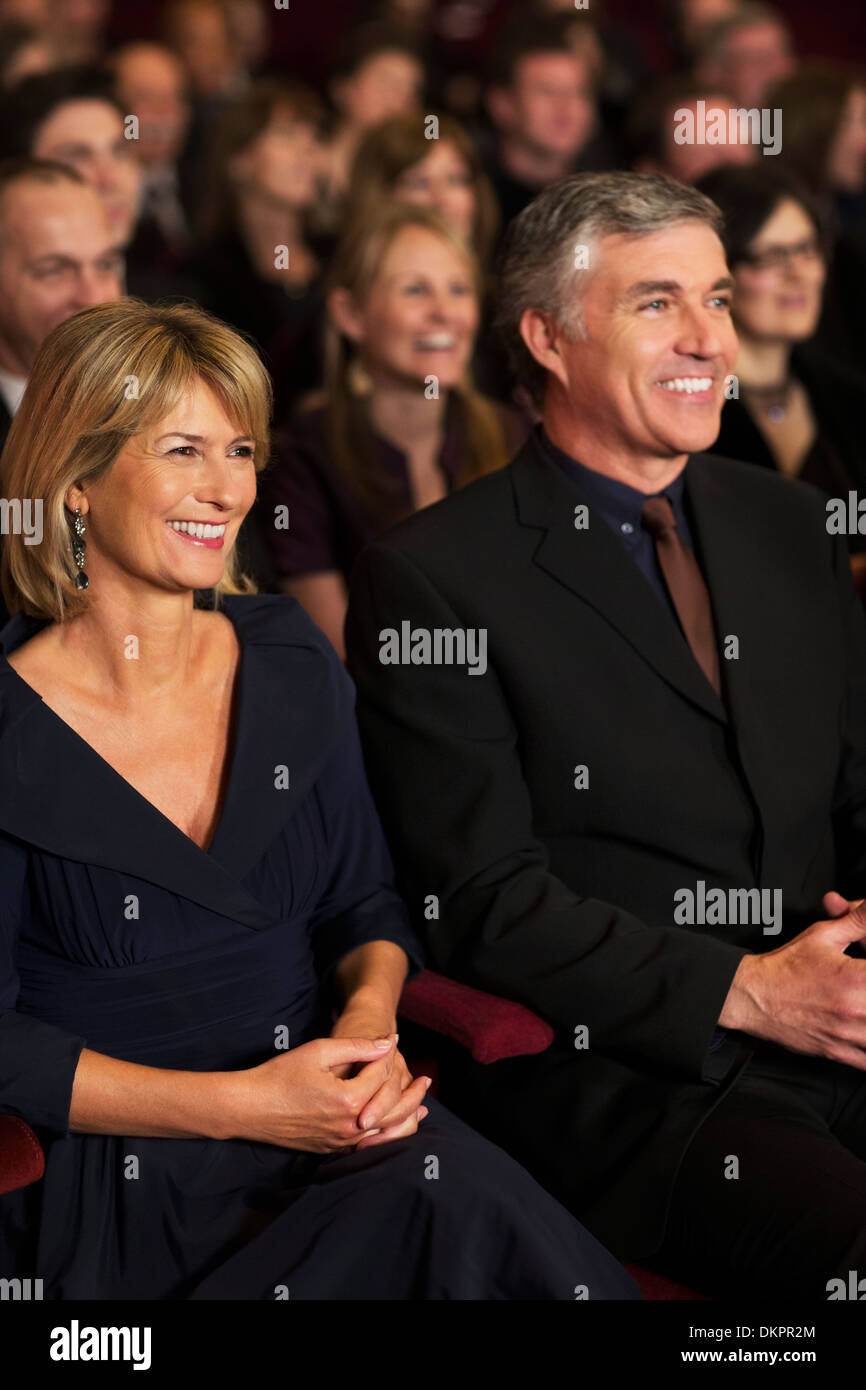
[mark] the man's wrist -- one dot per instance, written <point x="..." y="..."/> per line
<point x="741" y="1009"/>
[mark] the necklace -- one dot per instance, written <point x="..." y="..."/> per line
<point x="772" y="400"/>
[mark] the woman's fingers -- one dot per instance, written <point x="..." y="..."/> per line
<point x="385" y="1111"/>
<point x="385" y="1136"/>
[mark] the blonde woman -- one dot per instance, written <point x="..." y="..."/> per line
<point x="192" y="877"/>
<point x="400" y="424"/>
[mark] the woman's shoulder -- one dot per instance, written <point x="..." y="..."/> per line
<point x="279" y="620"/>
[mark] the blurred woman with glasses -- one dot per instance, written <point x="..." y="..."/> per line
<point x="790" y="407"/>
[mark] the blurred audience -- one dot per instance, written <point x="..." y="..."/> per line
<point x="252" y="258"/>
<point x="23" y="50"/>
<point x="57" y="255"/>
<point x="151" y="84"/>
<point x="77" y="28"/>
<point x="249" y="24"/>
<point x="200" y="33"/>
<point x="687" y="23"/>
<point x="378" y="73"/>
<point x="746" y="53"/>
<point x="400" y="423"/>
<point x="793" y="410"/>
<point x="31" y="12"/>
<point x="72" y="116"/>
<point x="401" y="159"/>
<point x="824" y="145"/>
<point x="650" y="136"/>
<point x="542" y="100"/>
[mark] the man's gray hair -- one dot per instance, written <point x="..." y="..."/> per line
<point x="548" y="253"/>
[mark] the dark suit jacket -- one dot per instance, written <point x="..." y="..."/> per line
<point x="564" y="898"/>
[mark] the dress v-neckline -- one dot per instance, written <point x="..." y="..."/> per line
<point x="234" y="726"/>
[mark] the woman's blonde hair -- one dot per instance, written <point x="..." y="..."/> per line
<point x="356" y="267"/>
<point x="101" y="377"/>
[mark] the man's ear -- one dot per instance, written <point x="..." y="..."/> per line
<point x="540" y="332"/>
<point x="344" y="313"/>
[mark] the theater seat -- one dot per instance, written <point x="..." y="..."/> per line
<point x="492" y="1029"/>
<point x="21" y="1157"/>
<point x="489" y="1028"/>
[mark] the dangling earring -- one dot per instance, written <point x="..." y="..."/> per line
<point x="78" y="547"/>
<point x="358" y="379"/>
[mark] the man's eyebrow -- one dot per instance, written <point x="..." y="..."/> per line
<point x="645" y="287"/>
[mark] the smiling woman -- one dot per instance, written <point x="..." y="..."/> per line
<point x="135" y="369"/>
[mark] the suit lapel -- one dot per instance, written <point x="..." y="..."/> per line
<point x="592" y="563"/>
<point x="59" y="795"/>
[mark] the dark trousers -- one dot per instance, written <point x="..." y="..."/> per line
<point x="794" y="1130"/>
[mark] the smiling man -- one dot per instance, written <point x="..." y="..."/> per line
<point x="57" y="255"/>
<point x="673" y="707"/>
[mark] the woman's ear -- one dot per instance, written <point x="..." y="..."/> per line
<point x="75" y="498"/>
<point x="344" y="313"/>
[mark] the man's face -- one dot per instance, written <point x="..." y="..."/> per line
<point x="756" y="57"/>
<point x="57" y="256"/>
<point x="689" y="161"/>
<point x="88" y="136"/>
<point x="657" y="317"/>
<point x="550" y="105"/>
<point x="153" y="87"/>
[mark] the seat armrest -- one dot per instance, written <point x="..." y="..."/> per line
<point x="21" y="1158"/>
<point x="489" y="1028"/>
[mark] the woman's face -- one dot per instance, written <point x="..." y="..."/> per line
<point x="421" y="316"/>
<point x="442" y="180"/>
<point x="847" y="159"/>
<point x="195" y="467"/>
<point x="780" y="296"/>
<point x="283" y="162"/>
<point x="388" y="84"/>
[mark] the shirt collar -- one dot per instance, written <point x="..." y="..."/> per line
<point x="618" y="503"/>
<point x="451" y="454"/>
<point x="12" y="389"/>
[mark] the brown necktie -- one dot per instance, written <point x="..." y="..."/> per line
<point x="686" y="586"/>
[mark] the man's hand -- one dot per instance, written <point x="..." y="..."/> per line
<point x="807" y="995"/>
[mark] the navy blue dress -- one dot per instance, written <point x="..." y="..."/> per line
<point x="117" y="932"/>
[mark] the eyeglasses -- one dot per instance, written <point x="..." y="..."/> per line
<point x="779" y="257"/>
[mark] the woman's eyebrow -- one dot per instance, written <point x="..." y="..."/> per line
<point x="197" y="438"/>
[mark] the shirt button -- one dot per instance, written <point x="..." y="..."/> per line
<point x="626" y="528"/>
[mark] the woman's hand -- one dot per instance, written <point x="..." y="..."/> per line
<point x="395" y="1109"/>
<point x="298" y="1100"/>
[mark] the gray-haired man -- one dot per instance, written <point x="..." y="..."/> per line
<point x="635" y="820"/>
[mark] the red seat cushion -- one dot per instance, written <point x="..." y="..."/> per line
<point x="21" y="1157"/>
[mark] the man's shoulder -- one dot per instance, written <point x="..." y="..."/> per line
<point x="756" y="486"/>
